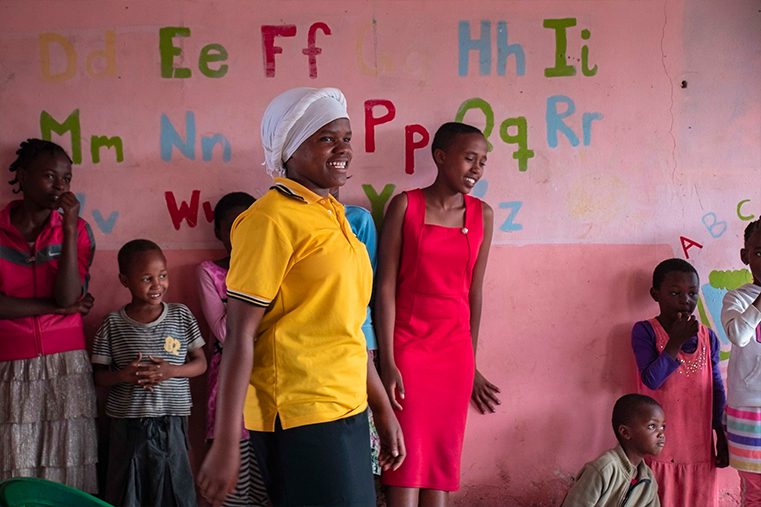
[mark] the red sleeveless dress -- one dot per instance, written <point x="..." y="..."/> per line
<point x="432" y="343"/>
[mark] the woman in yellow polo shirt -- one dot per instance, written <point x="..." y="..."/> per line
<point x="298" y="286"/>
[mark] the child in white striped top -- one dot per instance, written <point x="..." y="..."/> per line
<point x="741" y="318"/>
<point x="145" y="353"/>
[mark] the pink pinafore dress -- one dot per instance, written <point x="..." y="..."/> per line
<point x="432" y="343"/>
<point x="685" y="469"/>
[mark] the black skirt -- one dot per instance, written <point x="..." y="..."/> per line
<point x="148" y="463"/>
<point x="326" y="464"/>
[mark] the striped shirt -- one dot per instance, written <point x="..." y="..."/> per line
<point x="744" y="437"/>
<point x="170" y="337"/>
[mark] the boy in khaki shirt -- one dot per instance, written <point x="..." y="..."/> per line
<point x="620" y="477"/>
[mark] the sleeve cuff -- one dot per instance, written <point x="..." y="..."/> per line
<point x="104" y="360"/>
<point x="254" y="300"/>
<point x="196" y="344"/>
<point x="752" y="316"/>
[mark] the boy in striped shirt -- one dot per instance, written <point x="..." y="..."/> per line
<point x="145" y="353"/>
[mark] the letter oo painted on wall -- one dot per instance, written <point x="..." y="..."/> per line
<point x="518" y="125"/>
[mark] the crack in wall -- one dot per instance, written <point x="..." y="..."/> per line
<point x="671" y="93"/>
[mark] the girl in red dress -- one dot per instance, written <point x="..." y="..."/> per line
<point x="433" y="252"/>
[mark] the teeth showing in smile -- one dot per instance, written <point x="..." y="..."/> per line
<point x="338" y="164"/>
<point x="470" y="181"/>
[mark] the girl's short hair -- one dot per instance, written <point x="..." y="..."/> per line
<point x="446" y="134"/>
<point x="669" y="266"/>
<point x="751" y="228"/>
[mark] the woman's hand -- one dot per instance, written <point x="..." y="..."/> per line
<point x="219" y="471"/>
<point x="392" y="381"/>
<point x="392" y="450"/>
<point x="484" y="395"/>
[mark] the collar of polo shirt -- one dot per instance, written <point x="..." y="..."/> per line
<point x="295" y="190"/>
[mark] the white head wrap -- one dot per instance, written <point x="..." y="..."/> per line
<point x="292" y="117"/>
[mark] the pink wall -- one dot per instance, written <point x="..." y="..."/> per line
<point x="578" y="227"/>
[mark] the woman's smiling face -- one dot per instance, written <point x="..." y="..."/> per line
<point x="322" y="161"/>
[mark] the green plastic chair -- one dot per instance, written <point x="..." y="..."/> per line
<point x="33" y="492"/>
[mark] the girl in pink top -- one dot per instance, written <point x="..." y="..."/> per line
<point x="47" y="399"/>
<point x="678" y="360"/>
<point x="250" y="489"/>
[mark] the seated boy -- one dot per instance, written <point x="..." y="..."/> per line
<point x="620" y="476"/>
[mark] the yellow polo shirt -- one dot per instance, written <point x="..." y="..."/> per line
<point x="295" y="254"/>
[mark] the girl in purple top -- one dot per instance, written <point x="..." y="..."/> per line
<point x="249" y="489"/>
<point x="678" y="361"/>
